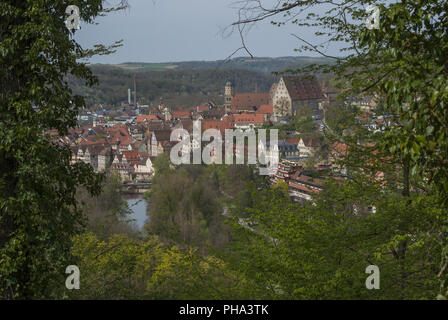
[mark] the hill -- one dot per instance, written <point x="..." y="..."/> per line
<point x="260" y="64"/>
<point x="184" y="84"/>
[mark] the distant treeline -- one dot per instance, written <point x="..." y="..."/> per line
<point x="178" y="88"/>
<point x="185" y="84"/>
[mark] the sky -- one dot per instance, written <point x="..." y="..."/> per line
<point x="184" y="30"/>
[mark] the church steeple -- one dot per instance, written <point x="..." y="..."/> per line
<point x="228" y="95"/>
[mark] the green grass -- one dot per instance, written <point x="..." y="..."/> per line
<point x="147" y="66"/>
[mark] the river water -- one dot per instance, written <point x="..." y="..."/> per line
<point x="138" y="206"/>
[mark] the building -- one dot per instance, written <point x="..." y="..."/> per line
<point x="308" y="147"/>
<point x="105" y="158"/>
<point x="249" y="102"/>
<point x="144" y="169"/>
<point x="248" y="121"/>
<point x="302" y="186"/>
<point x="288" y="149"/>
<point x="228" y="95"/>
<point x="266" y="110"/>
<point x="293" y="92"/>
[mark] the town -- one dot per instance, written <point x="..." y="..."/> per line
<point x="223" y="150"/>
<point x="127" y="142"/>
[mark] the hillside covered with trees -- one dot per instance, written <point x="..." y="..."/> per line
<point x="178" y="88"/>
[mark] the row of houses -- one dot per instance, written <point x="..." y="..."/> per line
<point x="130" y="146"/>
<point x="301" y="184"/>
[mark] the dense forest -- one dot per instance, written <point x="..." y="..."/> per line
<point x="184" y="84"/>
<point x="178" y="88"/>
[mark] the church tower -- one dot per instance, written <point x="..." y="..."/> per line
<point x="228" y="95"/>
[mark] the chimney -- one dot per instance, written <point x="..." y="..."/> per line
<point x="129" y="96"/>
<point x="135" y="93"/>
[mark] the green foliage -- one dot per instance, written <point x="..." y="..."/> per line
<point x="340" y="117"/>
<point x="125" y="268"/>
<point x="38" y="208"/>
<point x="162" y="164"/>
<point x="178" y="88"/>
<point x="107" y="213"/>
<point x="184" y="210"/>
<point x="402" y="63"/>
<point x="189" y="205"/>
<point x="321" y="250"/>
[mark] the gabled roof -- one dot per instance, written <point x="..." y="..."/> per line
<point x="132" y="157"/>
<point x="162" y="135"/>
<point x="121" y="136"/>
<point x="303" y="88"/>
<point x="310" y="142"/>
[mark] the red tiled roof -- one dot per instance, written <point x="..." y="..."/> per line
<point x="315" y="182"/>
<point x="301" y="188"/>
<point x="248" y="118"/>
<point x="202" y="108"/>
<point x="121" y="136"/>
<point x="247" y="101"/>
<point x="293" y="140"/>
<point x="144" y="118"/>
<point x="132" y="157"/>
<point x="216" y="124"/>
<point x="143" y="154"/>
<point x="181" y="114"/>
<point x="265" y="109"/>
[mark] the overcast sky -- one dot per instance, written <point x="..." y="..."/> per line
<point x="182" y="30"/>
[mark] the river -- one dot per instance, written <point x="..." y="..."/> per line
<point x="138" y="207"/>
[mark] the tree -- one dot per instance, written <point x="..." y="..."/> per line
<point x="126" y="268"/>
<point x="107" y="212"/>
<point x="403" y="63"/>
<point x="321" y="249"/>
<point x="38" y="209"/>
